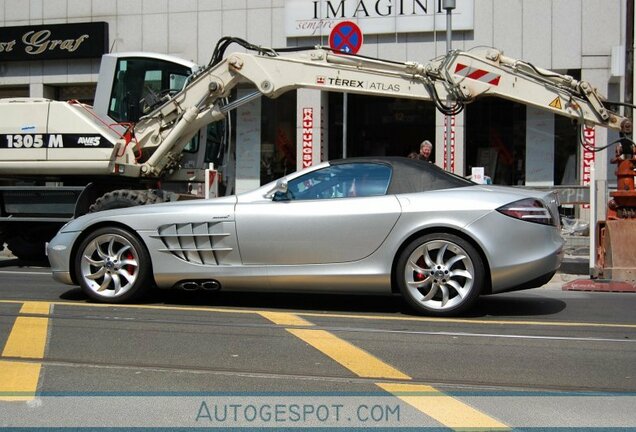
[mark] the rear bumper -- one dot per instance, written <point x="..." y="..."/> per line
<point x="531" y="274"/>
<point x="521" y="255"/>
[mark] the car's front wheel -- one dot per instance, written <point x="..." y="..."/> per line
<point x="440" y="274"/>
<point x="113" y="266"/>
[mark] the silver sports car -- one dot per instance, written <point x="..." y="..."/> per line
<point x="372" y="225"/>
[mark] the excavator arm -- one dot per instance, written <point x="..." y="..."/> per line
<point x="468" y="76"/>
<point x="460" y="77"/>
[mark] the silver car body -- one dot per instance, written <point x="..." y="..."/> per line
<point x="253" y="242"/>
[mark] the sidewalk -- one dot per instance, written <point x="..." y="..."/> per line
<point x="560" y="279"/>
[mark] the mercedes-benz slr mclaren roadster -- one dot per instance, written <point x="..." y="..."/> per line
<point x="366" y="225"/>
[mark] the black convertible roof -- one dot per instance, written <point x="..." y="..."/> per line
<point x="412" y="175"/>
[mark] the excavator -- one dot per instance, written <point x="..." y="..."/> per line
<point x="53" y="141"/>
<point x="615" y="236"/>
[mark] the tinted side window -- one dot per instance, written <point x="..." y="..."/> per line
<point x="342" y="181"/>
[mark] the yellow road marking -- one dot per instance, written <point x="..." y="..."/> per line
<point x="447" y="410"/>
<point x="351" y="316"/>
<point x="286" y="319"/>
<point x="36" y="308"/>
<point x="353" y="358"/>
<point x="27" y="338"/>
<point x="18" y="380"/>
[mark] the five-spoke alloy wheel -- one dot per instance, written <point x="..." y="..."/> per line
<point x="440" y="274"/>
<point x="112" y="265"/>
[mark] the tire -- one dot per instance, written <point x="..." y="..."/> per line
<point x="440" y="274"/>
<point x="123" y="198"/>
<point x="113" y="266"/>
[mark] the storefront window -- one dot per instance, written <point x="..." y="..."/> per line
<point x="566" y="164"/>
<point x="11" y="92"/>
<point x="82" y="93"/>
<point x="495" y="140"/>
<point x="278" y="136"/>
<point x="215" y="142"/>
<point x="380" y="126"/>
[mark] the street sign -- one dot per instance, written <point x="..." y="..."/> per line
<point x="346" y="37"/>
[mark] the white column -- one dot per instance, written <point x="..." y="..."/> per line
<point x="324" y="126"/>
<point x="600" y="78"/>
<point x="39" y="90"/>
<point x="460" y="144"/>
<point x="439" y="142"/>
<point x="539" y="147"/>
<point x="311" y="127"/>
<point x="603" y="170"/>
<point x="248" y="144"/>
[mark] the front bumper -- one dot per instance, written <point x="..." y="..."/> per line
<point x="59" y="253"/>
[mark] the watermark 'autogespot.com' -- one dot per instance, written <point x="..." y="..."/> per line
<point x="215" y="411"/>
<point x="294" y="413"/>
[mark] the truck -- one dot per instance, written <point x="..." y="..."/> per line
<point x="56" y="157"/>
<point x="84" y="159"/>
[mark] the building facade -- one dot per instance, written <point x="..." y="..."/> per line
<point x="516" y="145"/>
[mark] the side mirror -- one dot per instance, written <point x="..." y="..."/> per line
<point x="279" y="189"/>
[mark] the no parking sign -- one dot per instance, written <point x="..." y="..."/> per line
<point x="346" y="37"/>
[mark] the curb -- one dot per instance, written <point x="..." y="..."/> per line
<point x="599" y="285"/>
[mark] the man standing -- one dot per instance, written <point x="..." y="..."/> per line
<point x="426" y="149"/>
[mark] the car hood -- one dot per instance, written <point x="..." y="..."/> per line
<point x="149" y="217"/>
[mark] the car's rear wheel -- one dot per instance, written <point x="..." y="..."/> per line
<point x="440" y="274"/>
<point x="113" y="266"/>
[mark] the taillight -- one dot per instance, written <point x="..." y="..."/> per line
<point x="529" y="209"/>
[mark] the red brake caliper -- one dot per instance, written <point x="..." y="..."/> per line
<point x="130" y="268"/>
<point x="417" y="276"/>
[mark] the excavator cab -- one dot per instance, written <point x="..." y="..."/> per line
<point x="131" y="84"/>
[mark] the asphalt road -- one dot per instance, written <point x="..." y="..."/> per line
<point x="537" y="358"/>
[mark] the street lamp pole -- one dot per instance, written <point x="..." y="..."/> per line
<point x="448" y="6"/>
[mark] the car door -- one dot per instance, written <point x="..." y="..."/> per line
<point x="337" y="214"/>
